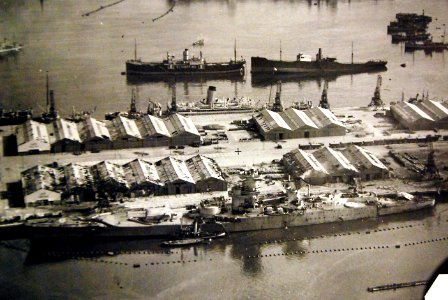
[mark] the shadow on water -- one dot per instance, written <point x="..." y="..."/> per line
<point x="170" y="79"/>
<point x="245" y="247"/>
<point x="264" y="80"/>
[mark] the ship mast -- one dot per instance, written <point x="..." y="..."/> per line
<point x="135" y="49"/>
<point x="234" y="51"/>
<point x="352" y="52"/>
<point x="280" y="50"/>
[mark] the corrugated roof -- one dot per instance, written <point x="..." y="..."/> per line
<point x="313" y="162"/>
<point x="171" y="169"/>
<point x="67" y="130"/>
<point x="129" y="128"/>
<point x="418" y="111"/>
<point x="371" y="157"/>
<point x="139" y="171"/>
<point x="180" y="124"/>
<point x="93" y="128"/>
<point x="275" y="120"/>
<point x="154" y="126"/>
<point x="32" y="131"/>
<point x="202" y="167"/>
<point x="329" y="116"/>
<point x="441" y="107"/>
<point x="304" y="118"/>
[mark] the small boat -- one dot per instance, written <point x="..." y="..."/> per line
<point x="183" y="242"/>
<point x="9" y="47"/>
<point x="199" y="42"/>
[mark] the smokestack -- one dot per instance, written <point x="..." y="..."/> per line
<point x="211" y="94"/>
<point x="185" y="54"/>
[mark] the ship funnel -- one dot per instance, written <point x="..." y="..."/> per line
<point x="211" y="94"/>
<point x="185" y="54"/>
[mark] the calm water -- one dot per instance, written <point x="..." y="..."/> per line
<point x="85" y="55"/>
<point x="227" y="269"/>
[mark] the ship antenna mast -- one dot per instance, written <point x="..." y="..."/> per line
<point x="280" y="50"/>
<point x="234" y="51"/>
<point x="352" y="52"/>
<point x="135" y="49"/>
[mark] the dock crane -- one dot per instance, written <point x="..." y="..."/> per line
<point x="376" y="99"/>
<point x="324" y="99"/>
<point x="278" y="106"/>
<point x="431" y="171"/>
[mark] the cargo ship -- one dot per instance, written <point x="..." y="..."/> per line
<point x="305" y="65"/>
<point x="185" y="66"/>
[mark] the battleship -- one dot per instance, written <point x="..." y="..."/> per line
<point x="185" y="66"/>
<point x="306" y="66"/>
<point x="248" y="211"/>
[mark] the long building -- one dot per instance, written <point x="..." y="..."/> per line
<point x="421" y="115"/>
<point x="293" y="123"/>
<point x="168" y="176"/>
<point x="119" y="133"/>
<point x="329" y="165"/>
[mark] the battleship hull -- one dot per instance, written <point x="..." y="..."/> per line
<point x="160" y="69"/>
<point x="261" y="65"/>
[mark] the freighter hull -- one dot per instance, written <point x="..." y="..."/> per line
<point x="160" y="69"/>
<point x="261" y="65"/>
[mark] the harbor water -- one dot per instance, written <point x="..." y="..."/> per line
<point x="331" y="261"/>
<point x="85" y="56"/>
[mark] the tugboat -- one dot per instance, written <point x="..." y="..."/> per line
<point x="9" y="47"/>
<point x="304" y="65"/>
<point x="185" y="66"/>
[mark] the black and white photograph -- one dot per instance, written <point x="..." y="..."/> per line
<point x="223" y="149"/>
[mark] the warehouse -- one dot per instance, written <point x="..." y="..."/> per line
<point x="95" y="134"/>
<point x="421" y="115"/>
<point x="66" y="136"/>
<point x="182" y="130"/>
<point x="206" y="173"/>
<point x="154" y="131"/>
<point x="32" y="137"/>
<point x="137" y="178"/>
<point x="143" y="178"/>
<point x="42" y="185"/>
<point x="292" y="123"/>
<point x="329" y="165"/>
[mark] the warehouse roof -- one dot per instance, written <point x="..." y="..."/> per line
<point x="202" y="167"/>
<point x="93" y="128"/>
<point x="66" y="130"/>
<point x="150" y="126"/>
<point x="171" y="169"/>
